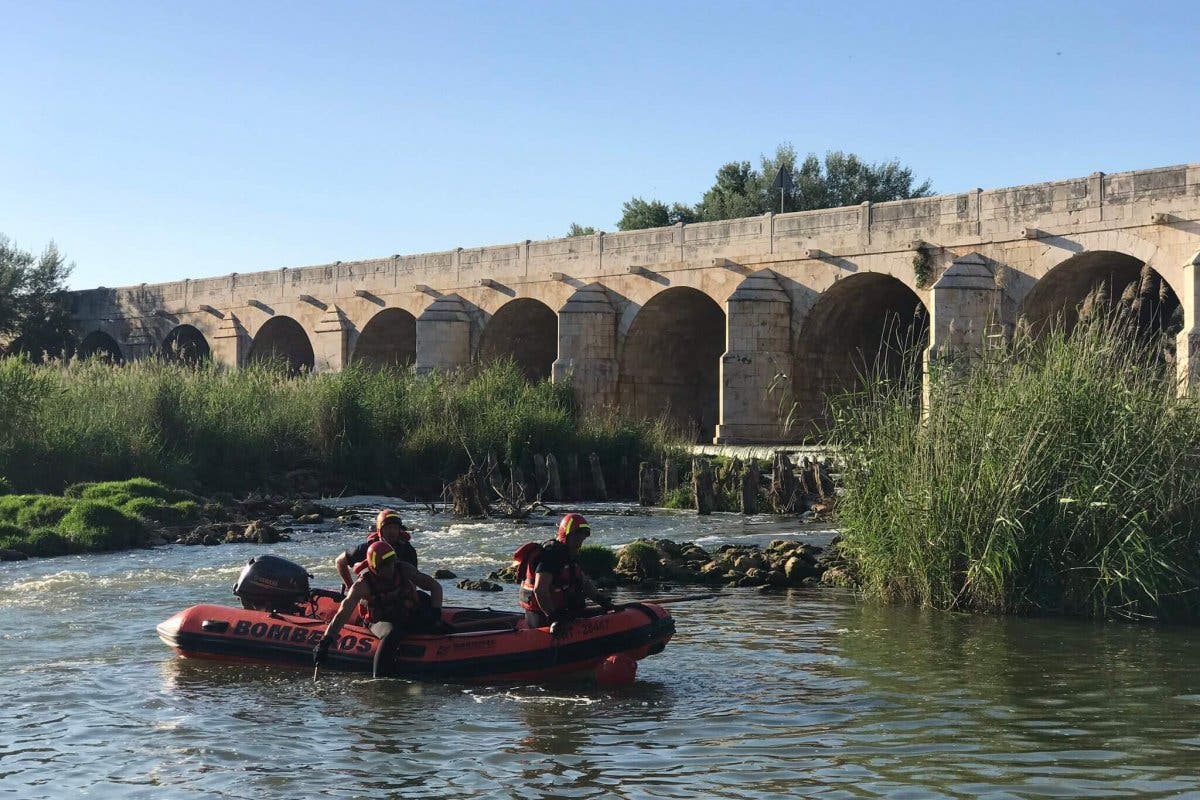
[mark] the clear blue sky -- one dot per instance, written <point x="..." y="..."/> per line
<point x="161" y="140"/>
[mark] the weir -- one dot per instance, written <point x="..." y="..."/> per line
<point x="721" y="326"/>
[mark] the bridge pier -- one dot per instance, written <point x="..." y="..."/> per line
<point x="231" y="342"/>
<point x="587" y="347"/>
<point x="961" y="304"/>
<point x="756" y="368"/>
<point x="331" y="341"/>
<point x="1187" y="344"/>
<point x="444" y="335"/>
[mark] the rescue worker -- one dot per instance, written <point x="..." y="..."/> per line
<point x="385" y="592"/>
<point x="554" y="589"/>
<point x="390" y="528"/>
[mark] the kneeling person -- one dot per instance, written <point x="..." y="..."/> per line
<point x="553" y="586"/>
<point x="385" y="591"/>
<point x="388" y="528"/>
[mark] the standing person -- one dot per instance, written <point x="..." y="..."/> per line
<point x="553" y="587"/>
<point x="385" y="593"/>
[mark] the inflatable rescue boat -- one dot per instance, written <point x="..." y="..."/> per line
<point x="282" y="619"/>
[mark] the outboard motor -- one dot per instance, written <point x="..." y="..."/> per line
<point x="271" y="583"/>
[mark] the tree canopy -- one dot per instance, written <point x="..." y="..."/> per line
<point x="741" y="190"/>
<point x="34" y="314"/>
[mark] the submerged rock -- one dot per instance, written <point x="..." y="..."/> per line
<point x="12" y="555"/>
<point x="444" y="574"/>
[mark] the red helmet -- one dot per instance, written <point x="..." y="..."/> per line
<point x="388" y="516"/>
<point x="572" y="523"/>
<point x="378" y="553"/>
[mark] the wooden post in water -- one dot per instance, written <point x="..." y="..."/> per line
<point x="749" y="492"/>
<point x="540" y="476"/>
<point x="670" y="475"/>
<point x="555" y="490"/>
<point x="574" y="477"/>
<point x="702" y="486"/>
<point x="598" y="477"/>
<point x="647" y="484"/>
<point x="785" y="491"/>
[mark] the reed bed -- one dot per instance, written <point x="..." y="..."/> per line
<point x="209" y="428"/>
<point x="1060" y="475"/>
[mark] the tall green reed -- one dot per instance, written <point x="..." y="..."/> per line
<point x="1060" y="475"/>
<point x="207" y="427"/>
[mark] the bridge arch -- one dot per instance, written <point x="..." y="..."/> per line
<point x="186" y="344"/>
<point x="388" y="339"/>
<point x="99" y="344"/>
<point x="1099" y="280"/>
<point x="670" y="360"/>
<point x="525" y="330"/>
<point x="282" y="339"/>
<point x="867" y="324"/>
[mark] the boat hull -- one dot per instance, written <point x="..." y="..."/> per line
<point x="506" y="650"/>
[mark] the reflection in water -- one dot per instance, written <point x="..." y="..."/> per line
<point x="800" y="693"/>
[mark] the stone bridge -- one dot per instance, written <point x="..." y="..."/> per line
<point x="718" y="325"/>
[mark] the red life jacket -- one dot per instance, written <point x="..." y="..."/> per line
<point x="567" y="584"/>
<point x="388" y="601"/>
<point x="403" y="548"/>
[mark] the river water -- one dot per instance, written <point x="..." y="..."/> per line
<point x="808" y="692"/>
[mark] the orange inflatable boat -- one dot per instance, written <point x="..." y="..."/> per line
<point x="282" y="624"/>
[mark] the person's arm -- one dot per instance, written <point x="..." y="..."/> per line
<point x="356" y="594"/>
<point x="592" y="593"/>
<point x="543" y="586"/>
<point x="429" y="584"/>
<point x="342" y="562"/>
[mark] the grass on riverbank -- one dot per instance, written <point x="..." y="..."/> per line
<point x="216" y="429"/>
<point x="1062" y="476"/>
<point x="91" y="517"/>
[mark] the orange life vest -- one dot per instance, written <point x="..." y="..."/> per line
<point x="567" y="584"/>
<point x="387" y="601"/>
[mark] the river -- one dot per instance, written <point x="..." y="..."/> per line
<point x="802" y="693"/>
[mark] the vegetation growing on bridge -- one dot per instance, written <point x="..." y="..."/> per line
<point x="1060" y="476"/>
<point x="209" y="428"/>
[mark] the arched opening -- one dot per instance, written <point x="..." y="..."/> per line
<point x="185" y="344"/>
<point x="1100" y="282"/>
<point x="99" y="344"/>
<point x="389" y="339"/>
<point x="865" y="327"/>
<point x="671" y="360"/>
<point x="282" y="339"/>
<point x="526" y="331"/>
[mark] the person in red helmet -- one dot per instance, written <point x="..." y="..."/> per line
<point x="553" y="587"/>
<point x="385" y="594"/>
<point x="389" y="528"/>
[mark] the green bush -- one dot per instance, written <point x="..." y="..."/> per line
<point x="33" y="510"/>
<point x="596" y="560"/>
<point x="119" y="492"/>
<point x="680" y="497"/>
<point x="43" y="542"/>
<point x="1057" y="476"/>
<point x="93" y="526"/>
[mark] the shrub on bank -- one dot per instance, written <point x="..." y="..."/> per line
<point x="106" y="516"/>
<point x="95" y="526"/>
<point x="1059" y="476"/>
<point x="596" y="560"/>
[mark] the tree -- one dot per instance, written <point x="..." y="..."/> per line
<point x="579" y="230"/>
<point x="639" y="213"/>
<point x="740" y="190"/>
<point x="35" y="317"/>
